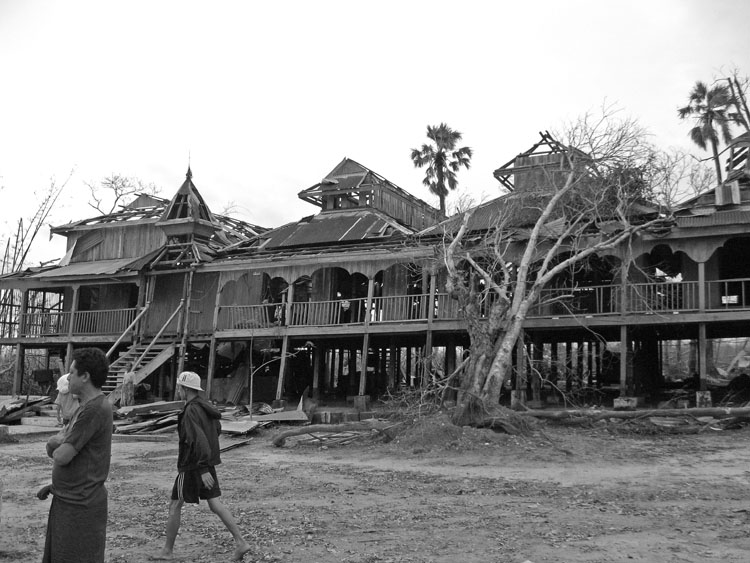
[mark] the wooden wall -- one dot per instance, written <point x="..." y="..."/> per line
<point x="203" y="301"/>
<point x="168" y="292"/>
<point x="248" y="289"/>
<point x="113" y="242"/>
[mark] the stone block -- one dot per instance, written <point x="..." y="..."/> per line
<point x="361" y="402"/>
<point x="625" y="403"/>
<point x="703" y="399"/>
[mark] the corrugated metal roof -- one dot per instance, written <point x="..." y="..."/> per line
<point x="515" y="211"/>
<point x="100" y="267"/>
<point x="735" y="217"/>
<point x="331" y="227"/>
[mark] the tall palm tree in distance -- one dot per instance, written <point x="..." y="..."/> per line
<point x="710" y="108"/>
<point x="442" y="159"/>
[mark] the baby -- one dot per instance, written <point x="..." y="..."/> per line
<point x="67" y="403"/>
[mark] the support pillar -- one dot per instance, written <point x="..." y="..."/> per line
<point x="363" y="374"/>
<point x="392" y="362"/>
<point x="316" y="359"/>
<point x="282" y="369"/>
<point x="624" y="353"/>
<point x="536" y="372"/>
<point x="702" y="355"/>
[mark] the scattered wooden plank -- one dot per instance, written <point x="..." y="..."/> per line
<point x="151" y="408"/>
<point x="235" y="445"/>
<point x="380" y="427"/>
<point x="16" y="408"/>
<point x="238" y="426"/>
<point x="283" y="416"/>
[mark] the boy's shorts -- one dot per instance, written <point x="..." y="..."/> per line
<point x="188" y="487"/>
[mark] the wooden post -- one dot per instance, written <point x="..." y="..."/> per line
<point x="623" y="361"/>
<point x="282" y="367"/>
<point x="250" y="374"/>
<point x="188" y="290"/>
<point x="553" y="366"/>
<point x="363" y="373"/>
<point x="316" y="359"/>
<point x="702" y="286"/>
<point x="289" y="301"/>
<point x="366" y="338"/>
<point x="568" y="366"/>
<point x="408" y="366"/>
<point x="348" y="356"/>
<point x="702" y="355"/>
<point x="428" y="337"/>
<point x="392" y="362"/>
<point x="536" y="372"/>
<point x="20" y="355"/>
<point x="142" y="302"/>
<point x="212" y="345"/>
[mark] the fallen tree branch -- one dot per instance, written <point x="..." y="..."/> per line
<point x="595" y="414"/>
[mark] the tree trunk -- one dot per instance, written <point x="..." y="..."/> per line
<point x="469" y="403"/>
<point x="717" y="161"/>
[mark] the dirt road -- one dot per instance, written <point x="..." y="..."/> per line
<point x="432" y="495"/>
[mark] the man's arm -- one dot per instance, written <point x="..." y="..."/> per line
<point x="54" y="442"/>
<point x="197" y="440"/>
<point x="64" y="454"/>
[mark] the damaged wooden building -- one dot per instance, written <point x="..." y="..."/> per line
<point x="351" y="302"/>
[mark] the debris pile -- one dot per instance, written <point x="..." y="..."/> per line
<point x="12" y="410"/>
<point x="161" y="417"/>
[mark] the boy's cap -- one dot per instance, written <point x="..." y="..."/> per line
<point x="190" y="379"/>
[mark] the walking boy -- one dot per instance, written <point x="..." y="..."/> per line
<point x="198" y="428"/>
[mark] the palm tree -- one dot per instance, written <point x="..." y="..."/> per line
<point x="442" y="160"/>
<point x="710" y="109"/>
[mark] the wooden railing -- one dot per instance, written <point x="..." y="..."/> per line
<point x="45" y="324"/>
<point x="113" y="321"/>
<point x="634" y="298"/>
<point x="317" y="313"/>
<point x="728" y="294"/>
<point x="246" y="316"/>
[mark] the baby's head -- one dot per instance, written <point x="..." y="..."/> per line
<point x="62" y="384"/>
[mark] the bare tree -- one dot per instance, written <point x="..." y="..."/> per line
<point x="738" y="87"/>
<point x="677" y="175"/>
<point x="115" y="190"/>
<point x="592" y="202"/>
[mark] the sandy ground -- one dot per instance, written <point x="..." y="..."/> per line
<point x="434" y="494"/>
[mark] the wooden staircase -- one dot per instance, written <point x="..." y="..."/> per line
<point x="158" y="353"/>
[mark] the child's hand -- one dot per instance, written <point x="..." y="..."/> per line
<point x="44" y="492"/>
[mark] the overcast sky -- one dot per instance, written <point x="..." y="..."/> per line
<point x="264" y="99"/>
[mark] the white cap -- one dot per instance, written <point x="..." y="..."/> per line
<point x="190" y="379"/>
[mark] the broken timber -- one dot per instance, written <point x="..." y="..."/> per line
<point x="381" y="428"/>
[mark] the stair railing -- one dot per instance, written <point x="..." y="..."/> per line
<point x="127" y="330"/>
<point x="158" y="335"/>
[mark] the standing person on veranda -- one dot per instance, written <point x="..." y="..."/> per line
<point x="77" y="523"/>
<point x="198" y="428"/>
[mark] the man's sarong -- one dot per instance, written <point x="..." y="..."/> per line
<point x="76" y="533"/>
